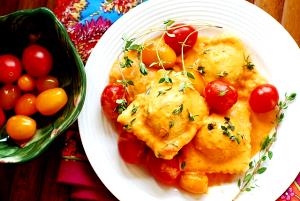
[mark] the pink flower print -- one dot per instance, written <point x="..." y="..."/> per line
<point x="289" y="193"/>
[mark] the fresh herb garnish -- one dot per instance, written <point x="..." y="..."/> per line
<point x="127" y="63"/>
<point x="201" y="70"/>
<point x="246" y="183"/>
<point x="178" y="110"/>
<point x="249" y="65"/>
<point x="130" y="45"/>
<point x="183" y="86"/>
<point x="191" y="116"/>
<point x="122" y="105"/>
<point x="222" y="74"/>
<point x="228" y="128"/>
<point x="163" y="91"/>
<point x="165" y="79"/>
<point x="169" y="22"/>
<point x="129" y="126"/>
<point x="134" y="109"/>
<point x="143" y="68"/>
<point x="125" y="83"/>
<point x="189" y="74"/>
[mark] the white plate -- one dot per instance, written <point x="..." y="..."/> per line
<point x="275" y="53"/>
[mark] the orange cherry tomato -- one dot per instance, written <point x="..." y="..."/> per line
<point x="20" y="127"/>
<point x="26" y="83"/>
<point x="51" y="101"/>
<point x="47" y="82"/>
<point x="26" y="105"/>
<point x="9" y="95"/>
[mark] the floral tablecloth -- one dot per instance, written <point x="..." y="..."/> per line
<point x="86" y="21"/>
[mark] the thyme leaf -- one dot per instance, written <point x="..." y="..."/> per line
<point x="249" y="65"/>
<point x="125" y="83"/>
<point x="178" y="110"/>
<point x="143" y="68"/>
<point x="127" y="63"/>
<point x="201" y="70"/>
<point x="122" y="105"/>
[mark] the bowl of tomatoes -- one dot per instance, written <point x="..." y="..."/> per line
<point x="42" y="83"/>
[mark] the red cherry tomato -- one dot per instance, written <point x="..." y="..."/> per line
<point x="26" y="105"/>
<point x="37" y="60"/>
<point x="2" y="118"/>
<point x="178" y="34"/>
<point x="10" y="68"/>
<point x="220" y="96"/>
<point x="9" y="94"/>
<point x="47" y="82"/>
<point x="164" y="171"/>
<point x="264" y="98"/>
<point x="110" y="95"/>
<point x="26" y="83"/>
<point x="131" y="149"/>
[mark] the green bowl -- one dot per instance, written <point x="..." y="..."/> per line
<point x="19" y="29"/>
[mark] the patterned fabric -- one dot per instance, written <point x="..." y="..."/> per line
<point x="86" y="21"/>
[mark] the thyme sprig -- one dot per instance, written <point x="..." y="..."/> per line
<point x="249" y="65"/>
<point x="130" y="45"/>
<point x="247" y="182"/>
<point x="228" y="128"/>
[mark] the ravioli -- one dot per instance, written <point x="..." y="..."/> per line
<point x="222" y="56"/>
<point x="167" y="116"/>
<point x="213" y="151"/>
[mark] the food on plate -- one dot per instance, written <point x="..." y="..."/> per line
<point x="28" y="92"/>
<point x="191" y="108"/>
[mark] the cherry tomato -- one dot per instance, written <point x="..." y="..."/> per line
<point x="26" y="83"/>
<point x="9" y="95"/>
<point x="37" y="60"/>
<point x="20" y="127"/>
<point x="25" y="105"/>
<point x="164" y="171"/>
<point x="110" y="95"/>
<point x="2" y="118"/>
<point x="131" y="149"/>
<point x="264" y="98"/>
<point x="220" y="96"/>
<point x="10" y="68"/>
<point x="167" y="55"/>
<point x="176" y="36"/>
<point x="51" y="101"/>
<point x="47" y="82"/>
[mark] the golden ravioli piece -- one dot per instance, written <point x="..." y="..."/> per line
<point x="214" y="150"/>
<point x="168" y="115"/>
<point x="222" y="56"/>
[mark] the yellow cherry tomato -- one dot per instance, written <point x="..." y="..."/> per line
<point x="25" y="105"/>
<point x="194" y="182"/>
<point x="20" y="127"/>
<point x="51" y="101"/>
<point x="155" y="47"/>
